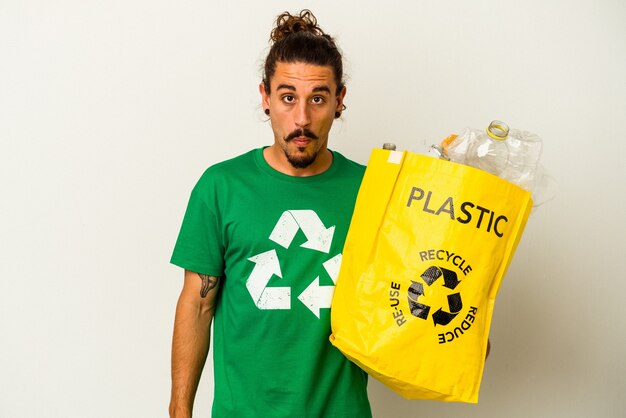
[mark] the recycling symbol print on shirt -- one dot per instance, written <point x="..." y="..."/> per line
<point x="319" y="238"/>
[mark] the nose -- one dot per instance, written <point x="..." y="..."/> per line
<point x="303" y="115"/>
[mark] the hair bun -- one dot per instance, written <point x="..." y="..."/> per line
<point x="286" y="24"/>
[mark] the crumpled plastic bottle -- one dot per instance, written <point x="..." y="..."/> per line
<point x="511" y="154"/>
<point x="490" y="151"/>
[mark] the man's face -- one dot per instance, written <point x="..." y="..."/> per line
<point x="302" y="102"/>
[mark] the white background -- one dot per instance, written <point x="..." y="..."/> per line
<point x="110" y="111"/>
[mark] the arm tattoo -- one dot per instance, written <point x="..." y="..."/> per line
<point x="208" y="283"/>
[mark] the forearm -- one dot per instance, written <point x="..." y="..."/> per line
<point x="190" y="346"/>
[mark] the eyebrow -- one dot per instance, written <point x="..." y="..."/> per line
<point x="321" y="88"/>
<point x="292" y="88"/>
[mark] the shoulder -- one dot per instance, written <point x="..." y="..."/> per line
<point x="239" y="162"/>
<point x="224" y="171"/>
<point x="346" y="165"/>
<point x="225" y="168"/>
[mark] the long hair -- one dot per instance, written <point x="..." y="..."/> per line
<point x="298" y="38"/>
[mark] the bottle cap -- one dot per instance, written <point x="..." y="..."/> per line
<point x="498" y="130"/>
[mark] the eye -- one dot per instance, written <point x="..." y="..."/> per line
<point x="318" y="100"/>
<point x="288" y="98"/>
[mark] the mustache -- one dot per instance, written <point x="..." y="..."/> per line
<point x="301" y="132"/>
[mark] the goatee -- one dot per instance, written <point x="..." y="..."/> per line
<point x="304" y="160"/>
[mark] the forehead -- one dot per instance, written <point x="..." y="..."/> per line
<point x="303" y="76"/>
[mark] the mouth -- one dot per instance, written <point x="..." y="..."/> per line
<point x="301" y="138"/>
<point x="301" y="141"/>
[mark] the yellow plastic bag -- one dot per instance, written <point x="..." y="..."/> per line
<point x="427" y="248"/>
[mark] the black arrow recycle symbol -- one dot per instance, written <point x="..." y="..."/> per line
<point x="455" y="304"/>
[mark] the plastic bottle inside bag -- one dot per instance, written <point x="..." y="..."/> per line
<point x="490" y="151"/>
<point x="511" y="154"/>
<point x="524" y="155"/>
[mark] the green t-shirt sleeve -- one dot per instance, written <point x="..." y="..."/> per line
<point x="199" y="246"/>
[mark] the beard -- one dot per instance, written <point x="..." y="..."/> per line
<point x="302" y="159"/>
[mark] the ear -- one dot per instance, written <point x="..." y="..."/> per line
<point x="340" y="98"/>
<point x="265" y="97"/>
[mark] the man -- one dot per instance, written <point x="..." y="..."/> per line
<point x="261" y="246"/>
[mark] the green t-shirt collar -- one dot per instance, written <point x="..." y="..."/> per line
<point x="267" y="169"/>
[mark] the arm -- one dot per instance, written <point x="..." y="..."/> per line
<point x="190" y="344"/>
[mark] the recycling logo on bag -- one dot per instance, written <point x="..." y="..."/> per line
<point x="431" y="277"/>
<point x="267" y="265"/>
<point x="435" y="294"/>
